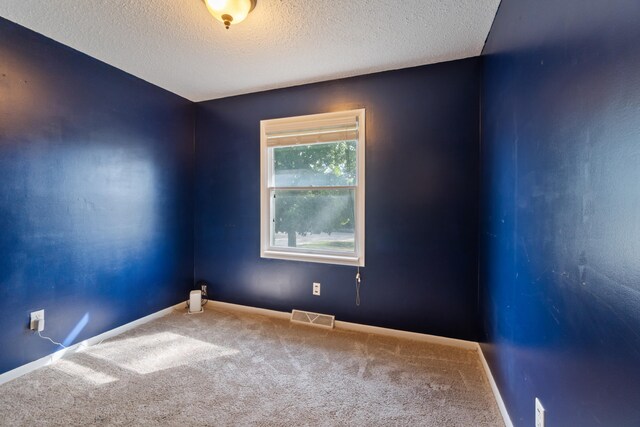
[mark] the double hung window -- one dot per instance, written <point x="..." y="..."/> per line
<point x="312" y="188"/>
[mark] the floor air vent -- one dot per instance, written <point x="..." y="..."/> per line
<point x="313" y="319"/>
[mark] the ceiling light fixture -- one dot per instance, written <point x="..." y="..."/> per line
<point x="230" y="12"/>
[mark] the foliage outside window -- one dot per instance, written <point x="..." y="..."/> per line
<point x="312" y="188"/>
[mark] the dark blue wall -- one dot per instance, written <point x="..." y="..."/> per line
<point x="421" y="201"/>
<point x="560" y="222"/>
<point x="96" y="212"/>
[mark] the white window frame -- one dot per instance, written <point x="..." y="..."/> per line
<point x="296" y="254"/>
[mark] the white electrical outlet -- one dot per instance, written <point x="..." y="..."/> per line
<point x="316" y="288"/>
<point x="37" y="318"/>
<point x="539" y="414"/>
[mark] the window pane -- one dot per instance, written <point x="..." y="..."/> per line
<point x="315" y="164"/>
<point x="314" y="219"/>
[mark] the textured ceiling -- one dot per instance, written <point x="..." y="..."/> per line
<point x="177" y="45"/>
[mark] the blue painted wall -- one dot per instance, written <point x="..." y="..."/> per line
<point x="96" y="209"/>
<point x="421" y="201"/>
<point x="561" y="209"/>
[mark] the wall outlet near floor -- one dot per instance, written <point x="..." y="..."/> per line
<point x="37" y="321"/>
<point x="539" y="413"/>
<point x="316" y="288"/>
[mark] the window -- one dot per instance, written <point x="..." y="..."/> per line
<point x="312" y="188"/>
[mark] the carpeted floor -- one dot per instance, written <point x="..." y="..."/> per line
<point x="224" y="368"/>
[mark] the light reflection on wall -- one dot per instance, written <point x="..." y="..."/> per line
<point x="103" y="199"/>
<point x="76" y="330"/>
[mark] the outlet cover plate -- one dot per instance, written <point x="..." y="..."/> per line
<point x="35" y="315"/>
<point x="316" y="288"/>
<point x="539" y="413"/>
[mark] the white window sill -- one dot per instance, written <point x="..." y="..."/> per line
<point x="308" y="257"/>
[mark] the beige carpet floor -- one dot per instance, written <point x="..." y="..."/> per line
<point x="225" y="368"/>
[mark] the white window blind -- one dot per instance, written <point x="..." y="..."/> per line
<point x="330" y="130"/>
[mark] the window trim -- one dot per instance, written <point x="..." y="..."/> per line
<point x="266" y="250"/>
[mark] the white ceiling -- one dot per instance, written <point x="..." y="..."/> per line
<point x="177" y="45"/>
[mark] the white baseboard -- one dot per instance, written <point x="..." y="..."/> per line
<point x="396" y="333"/>
<point x="494" y="388"/>
<point x="248" y="309"/>
<point x="468" y="345"/>
<point x="52" y="358"/>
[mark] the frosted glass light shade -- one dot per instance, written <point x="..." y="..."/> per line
<point x="230" y="12"/>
